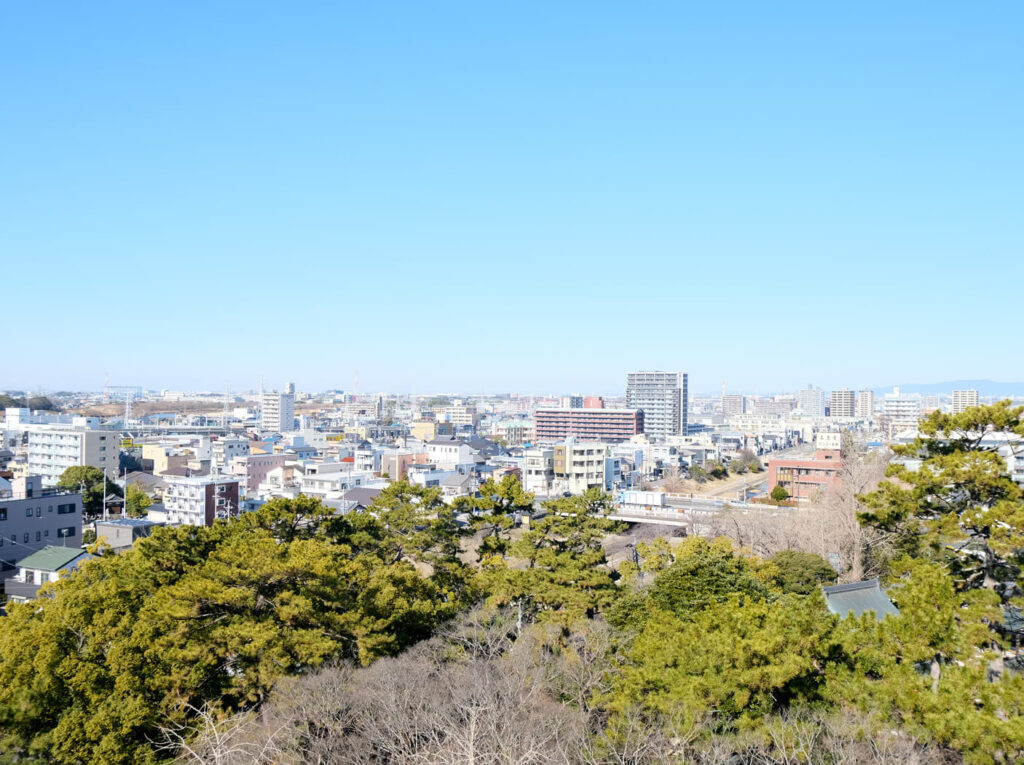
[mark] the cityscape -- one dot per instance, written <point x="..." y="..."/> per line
<point x="512" y="384"/>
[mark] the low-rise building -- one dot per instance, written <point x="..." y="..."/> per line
<point x="45" y="565"/>
<point x="32" y="517"/>
<point x="121" y="533"/>
<point x="803" y="478"/>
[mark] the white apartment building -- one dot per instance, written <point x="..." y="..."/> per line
<point x="457" y="414"/>
<point x="579" y="466"/>
<point x="539" y="470"/>
<point x="224" y="450"/>
<point x="865" y="407"/>
<point x="201" y="500"/>
<point x="449" y="454"/>
<point x="277" y="412"/>
<point x="898" y="407"/>
<point x="664" y="400"/>
<point x="52" y="449"/>
<point x="842" y="403"/>
<point x="964" y="399"/>
<point x="811" y="402"/>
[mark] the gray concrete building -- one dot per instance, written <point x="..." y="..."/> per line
<point x="32" y="517"/>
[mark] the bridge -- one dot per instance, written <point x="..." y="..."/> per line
<point x="686" y="510"/>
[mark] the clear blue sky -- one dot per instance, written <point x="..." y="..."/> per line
<point x="511" y="196"/>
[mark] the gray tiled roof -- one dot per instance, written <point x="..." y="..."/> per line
<point x="858" y="598"/>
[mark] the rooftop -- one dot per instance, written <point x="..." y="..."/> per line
<point x="858" y="598"/>
<point x="51" y="558"/>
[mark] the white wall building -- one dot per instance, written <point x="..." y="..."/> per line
<point x="52" y="449"/>
<point x="277" y="412"/>
<point x="811" y="402"/>
<point x="664" y="400"/>
<point x="199" y="501"/>
<point x="964" y="399"/>
<point x="865" y="407"/>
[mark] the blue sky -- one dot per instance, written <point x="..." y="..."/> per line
<point x="511" y="196"/>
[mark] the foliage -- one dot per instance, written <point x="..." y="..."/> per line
<point x="136" y="501"/>
<point x="88" y="480"/>
<point x="779" y="494"/>
<point x="716" y="470"/>
<point x="35" y="403"/>
<point x="737" y="657"/>
<point x="801" y="573"/>
<point x="698" y="473"/>
<point x="705" y="573"/>
<point x="560" y="566"/>
<point x="192" y="617"/>
<point x="960" y="493"/>
<point x="497" y="506"/>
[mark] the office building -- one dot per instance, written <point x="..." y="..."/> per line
<point x="611" y="425"/>
<point x="964" y="399"/>
<point x="574" y="401"/>
<point x="662" y="398"/>
<point x="842" y="403"/>
<point x="865" y="407"/>
<point x="277" y="412"/>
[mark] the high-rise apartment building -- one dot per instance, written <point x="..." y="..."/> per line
<point x="842" y="403"/>
<point x="663" y="399"/>
<point x="964" y="399"/>
<point x="812" y="402"/>
<point x="865" y="404"/>
<point x="277" y="412"/>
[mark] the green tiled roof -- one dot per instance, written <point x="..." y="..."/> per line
<point x="51" y="558"/>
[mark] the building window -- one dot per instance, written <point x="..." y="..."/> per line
<point x="39" y="536"/>
<point x="46" y="533"/>
<point x="39" y="512"/>
<point x="26" y="537"/>
<point x="3" y="513"/>
<point x="68" y="531"/>
<point x="28" y="512"/>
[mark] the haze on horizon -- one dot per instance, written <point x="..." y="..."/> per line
<point x="511" y="197"/>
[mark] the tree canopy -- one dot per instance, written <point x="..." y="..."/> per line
<point x="88" y="480"/>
